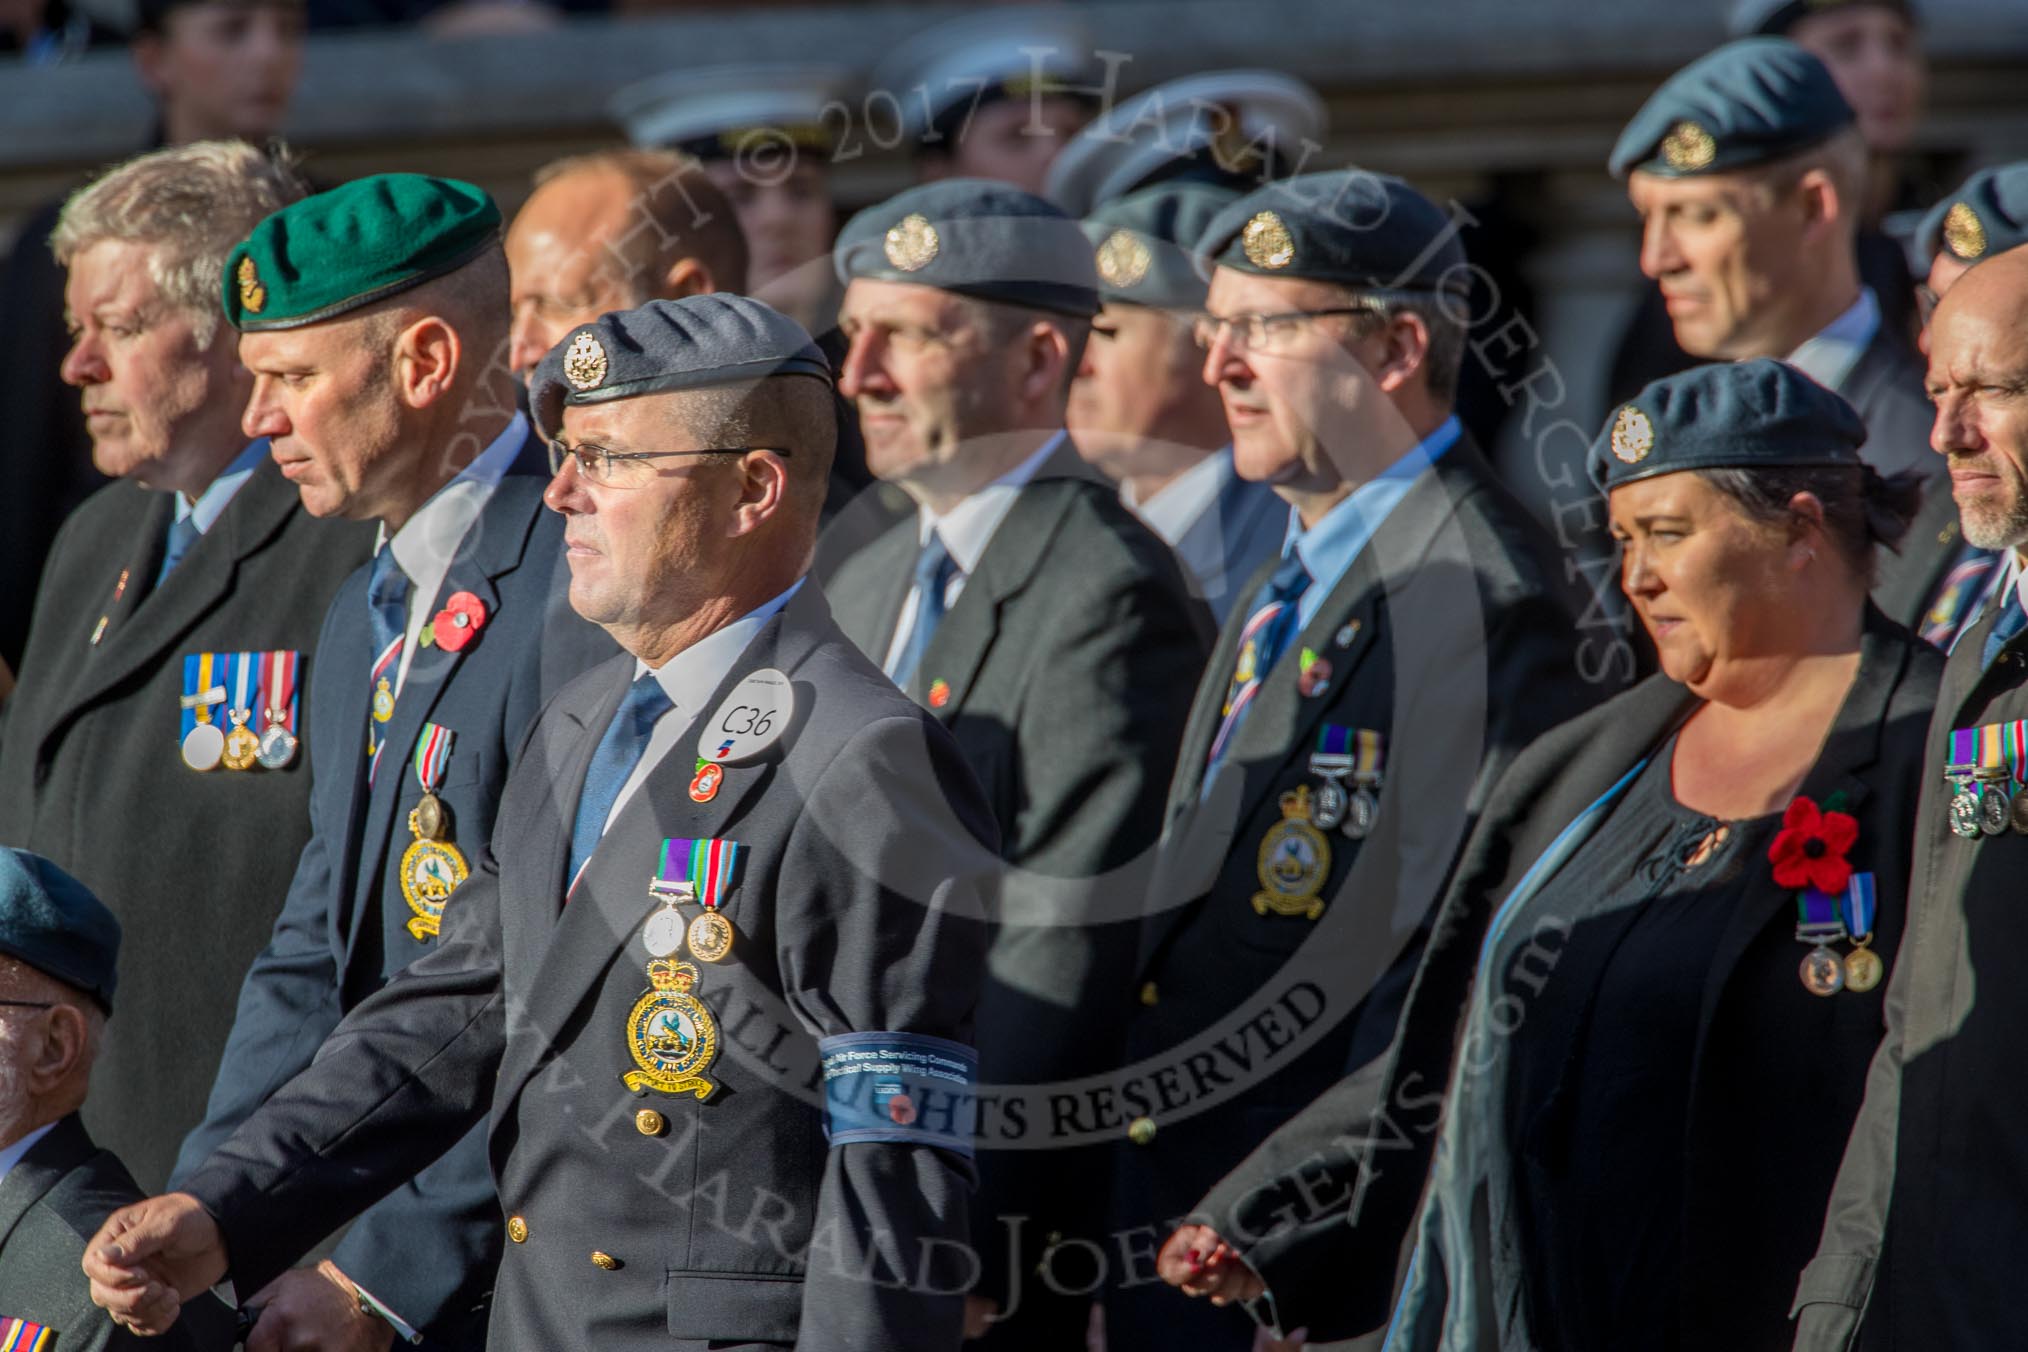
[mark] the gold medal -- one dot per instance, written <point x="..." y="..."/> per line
<point x="710" y="937"/>
<point x="1293" y="861"/>
<point x="430" y="871"/>
<point x="671" y="1035"/>
<point x="1863" y="969"/>
<point x="242" y="748"/>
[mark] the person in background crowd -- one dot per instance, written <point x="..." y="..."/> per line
<point x="196" y="570"/>
<point x="1873" y="49"/>
<point x="995" y="94"/>
<point x="1921" y="1226"/>
<point x="216" y="69"/>
<point x="1747" y="169"/>
<point x="1357" y="707"/>
<point x="760" y="133"/>
<point x="374" y="319"/>
<point x="59" y="959"/>
<point x="1140" y="410"/>
<point x="1050" y="631"/>
<point x="1673" y="927"/>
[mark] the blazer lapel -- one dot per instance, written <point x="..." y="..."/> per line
<point x="868" y="613"/>
<point x="42" y="1168"/>
<point x="150" y="622"/>
<point x="491" y="549"/>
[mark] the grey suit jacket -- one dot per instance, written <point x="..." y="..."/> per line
<point x="1064" y="671"/>
<point x="857" y="908"/>
<point x="1242" y="529"/>
<point x="91" y="775"/>
<point x="51" y="1203"/>
<point x="1886" y="387"/>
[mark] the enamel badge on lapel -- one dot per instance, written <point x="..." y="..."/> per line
<point x="939" y="694"/>
<point x="704" y="787"/>
<point x="1293" y="861"/>
<point x="1313" y="674"/>
<point x="752" y="719"/>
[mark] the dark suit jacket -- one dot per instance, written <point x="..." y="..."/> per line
<point x="91" y="774"/>
<point x="1448" y="635"/>
<point x="427" y="1252"/>
<point x="1242" y="529"/>
<point x="1068" y="662"/>
<point x="856" y="903"/>
<point x="1321" y="1208"/>
<point x="51" y="1204"/>
<point x="1927" y="1214"/>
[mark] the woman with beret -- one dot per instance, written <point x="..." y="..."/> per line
<point x="1680" y="906"/>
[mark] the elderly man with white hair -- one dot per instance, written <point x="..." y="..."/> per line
<point x="152" y="745"/>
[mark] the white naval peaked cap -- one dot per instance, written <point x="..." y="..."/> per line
<point x="685" y="107"/>
<point x="949" y="65"/>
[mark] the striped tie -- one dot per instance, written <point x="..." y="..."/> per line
<point x="387" y="588"/>
<point x="1269" y="627"/>
<point x="1955" y="608"/>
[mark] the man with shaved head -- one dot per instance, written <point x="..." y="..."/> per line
<point x="1930" y="1207"/>
<point x="612" y="230"/>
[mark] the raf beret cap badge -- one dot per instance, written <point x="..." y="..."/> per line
<point x="584" y="361"/>
<point x="1633" y="435"/>
<point x="1963" y="233"/>
<point x="252" y="295"/>
<point x="1688" y="147"/>
<point x="911" y="243"/>
<point x="1267" y="242"/>
<point x="1123" y="260"/>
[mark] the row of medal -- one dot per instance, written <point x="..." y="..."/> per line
<point x="432" y="867"/>
<point x="1823" y="920"/>
<point x="1986" y="769"/>
<point x="670" y="1033"/>
<point x="1341" y="752"/>
<point x="221" y="694"/>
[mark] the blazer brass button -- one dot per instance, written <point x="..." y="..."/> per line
<point x="1141" y="1131"/>
<point x="517" y="1229"/>
<point x="1149" y="995"/>
<point x="605" y="1261"/>
<point x="648" y="1122"/>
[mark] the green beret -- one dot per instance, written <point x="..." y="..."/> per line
<point x="352" y="246"/>
<point x="1143" y="243"/>
<point x="1751" y="102"/>
<point x="1348" y="227"/>
<point x="1987" y="215"/>
<point x="1758" y="414"/>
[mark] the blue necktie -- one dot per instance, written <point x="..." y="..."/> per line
<point x="1270" y="624"/>
<point x="183" y="533"/>
<point x="619" y="751"/>
<point x="934" y="569"/>
<point x="2011" y="622"/>
<point x="386" y="602"/>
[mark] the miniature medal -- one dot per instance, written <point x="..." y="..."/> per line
<point x="670" y="1034"/>
<point x="431" y="867"/>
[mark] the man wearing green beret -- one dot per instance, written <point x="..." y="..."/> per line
<point x="1749" y="172"/>
<point x="374" y="319"/>
<point x="199" y="554"/>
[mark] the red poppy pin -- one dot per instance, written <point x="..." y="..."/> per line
<point x="459" y="622"/>
<point x="939" y="694"/>
<point x="1811" y="848"/>
<point x="901" y="1110"/>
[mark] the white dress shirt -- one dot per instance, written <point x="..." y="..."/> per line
<point x="966" y="530"/>
<point x="688" y="679"/>
<point x="1829" y="357"/>
<point x="429" y="540"/>
<point x="1185" y="498"/>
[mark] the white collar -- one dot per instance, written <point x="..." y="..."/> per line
<point x="1829" y="357"/>
<point x="690" y="676"/>
<point x="429" y="540"/>
<point x="967" y="528"/>
<point x="1178" y="504"/>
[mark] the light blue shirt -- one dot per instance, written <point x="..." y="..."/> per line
<point x="1829" y="357"/>
<point x="1328" y="548"/>
<point x="212" y="502"/>
<point x="12" y="1155"/>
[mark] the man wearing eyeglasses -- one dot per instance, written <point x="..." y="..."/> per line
<point x="59" y="958"/>
<point x="374" y="319"/>
<point x="1054" y="635"/>
<point x="713" y="981"/>
<point x="1408" y="640"/>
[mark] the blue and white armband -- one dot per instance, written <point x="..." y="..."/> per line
<point x="900" y="1088"/>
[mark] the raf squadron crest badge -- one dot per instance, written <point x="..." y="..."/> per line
<point x="1294" y="859"/>
<point x="671" y="1035"/>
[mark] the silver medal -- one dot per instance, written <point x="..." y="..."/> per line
<point x="203" y="747"/>
<point x="662" y="936"/>
<point x="1822" y="973"/>
<point x="1328" y="805"/>
<point x="1364" y="811"/>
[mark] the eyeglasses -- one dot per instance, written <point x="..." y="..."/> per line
<point x="1266" y="333"/>
<point x="628" y="469"/>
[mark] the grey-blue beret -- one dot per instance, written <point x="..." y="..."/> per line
<point x="1774" y="18"/>
<point x="976" y="238"/>
<point x="1987" y="215"/>
<point x="1350" y="227"/>
<point x="1748" y="103"/>
<point x="1758" y="414"/>
<point x="1142" y="243"/>
<point x="52" y="922"/>
<point x="668" y="345"/>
